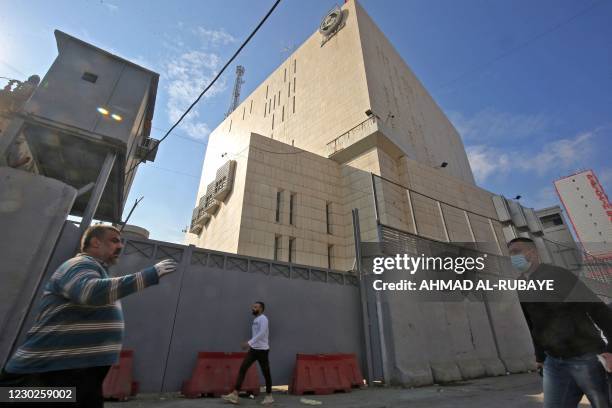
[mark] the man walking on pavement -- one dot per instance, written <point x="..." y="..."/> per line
<point x="78" y="333"/>
<point x="568" y="326"/>
<point x="259" y="349"/>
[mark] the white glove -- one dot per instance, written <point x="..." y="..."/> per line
<point x="165" y="266"/>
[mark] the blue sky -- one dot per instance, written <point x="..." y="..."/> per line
<point x="527" y="84"/>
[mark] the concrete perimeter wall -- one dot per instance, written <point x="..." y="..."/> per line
<point x="433" y="340"/>
<point x="205" y="306"/>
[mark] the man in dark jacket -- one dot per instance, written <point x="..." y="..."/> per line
<point x="568" y="326"/>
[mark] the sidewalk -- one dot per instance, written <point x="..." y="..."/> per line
<point x="513" y="391"/>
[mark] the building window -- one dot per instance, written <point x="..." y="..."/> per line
<point x="89" y="77"/>
<point x="293" y="84"/>
<point x="293" y="103"/>
<point x="266" y="91"/>
<point x="292" y="209"/>
<point x="243" y="111"/>
<point x="294" y="66"/>
<point x="270" y="106"/>
<point x="288" y="89"/>
<point x="291" y="249"/>
<point x="330" y="256"/>
<point x="272" y="121"/>
<point x="283" y="115"/>
<point x="279" y="201"/>
<point x="277" y="247"/>
<point x="552" y="220"/>
<point x="285" y="78"/>
<point x="274" y="106"/>
<point x="279" y="98"/>
<point x="251" y="107"/>
<point x="328" y="217"/>
<point x="265" y="108"/>
<point x="230" y="129"/>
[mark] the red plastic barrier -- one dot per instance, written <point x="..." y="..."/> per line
<point x="352" y="370"/>
<point x="118" y="383"/>
<point x="135" y="388"/>
<point x="325" y="374"/>
<point x="215" y="374"/>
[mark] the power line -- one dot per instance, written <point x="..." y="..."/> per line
<point x="194" y="103"/>
<point x="12" y="68"/>
<point x="191" y="139"/>
<point x="521" y="45"/>
<point x="173" y="171"/>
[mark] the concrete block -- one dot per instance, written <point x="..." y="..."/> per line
<point x="471" y="368"/>
<point x="33" y="209"/>
<point x="412" y="375"/>
<point x="444" y="372"/>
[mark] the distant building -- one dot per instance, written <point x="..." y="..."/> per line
<point x="518" y="221"/>
<point x="589" y="210"/>
<point x="558" y="238"/>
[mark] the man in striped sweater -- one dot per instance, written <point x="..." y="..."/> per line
<point x="78" y="332"/>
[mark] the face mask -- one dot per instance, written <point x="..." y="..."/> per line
<point x="520" y="263"/>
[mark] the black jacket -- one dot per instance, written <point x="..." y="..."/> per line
<point x="562" y="322"/>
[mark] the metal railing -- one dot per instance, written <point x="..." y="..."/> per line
<point x="587" y="266"/>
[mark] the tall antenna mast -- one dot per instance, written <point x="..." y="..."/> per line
<point x="236" y="92"/>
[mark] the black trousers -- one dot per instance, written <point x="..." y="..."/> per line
<point x="88" y="382"/>
<point x="260" y="356"/>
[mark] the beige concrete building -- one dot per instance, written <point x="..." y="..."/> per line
<point x="283" y="171"/>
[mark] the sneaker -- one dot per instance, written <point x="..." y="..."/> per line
<point x="232" y="398"/>
<point x="268" y="400"/>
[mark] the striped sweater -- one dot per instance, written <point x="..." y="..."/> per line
<point x="80" y="321"/>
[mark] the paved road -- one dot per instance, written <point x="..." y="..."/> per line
<point x="513" y="391"/>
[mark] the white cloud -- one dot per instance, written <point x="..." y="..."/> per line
<point x="489" y="124"/>
<point x="110" y="6"/>
<point x="485" y="161"/>
<point x="214" y="37"/>
<point x="605" y="177"/>
<point x="191" y="67"/>
<point x="544" y="197"/>
<point x="558" y="155"/>
<point x="187" y="75"/>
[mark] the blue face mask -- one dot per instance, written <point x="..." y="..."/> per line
<point x="520" y="263"/>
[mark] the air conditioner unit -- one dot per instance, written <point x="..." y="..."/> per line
<point x="147" y="150"/>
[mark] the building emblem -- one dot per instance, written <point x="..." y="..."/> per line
<point x="331" y="24"/>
